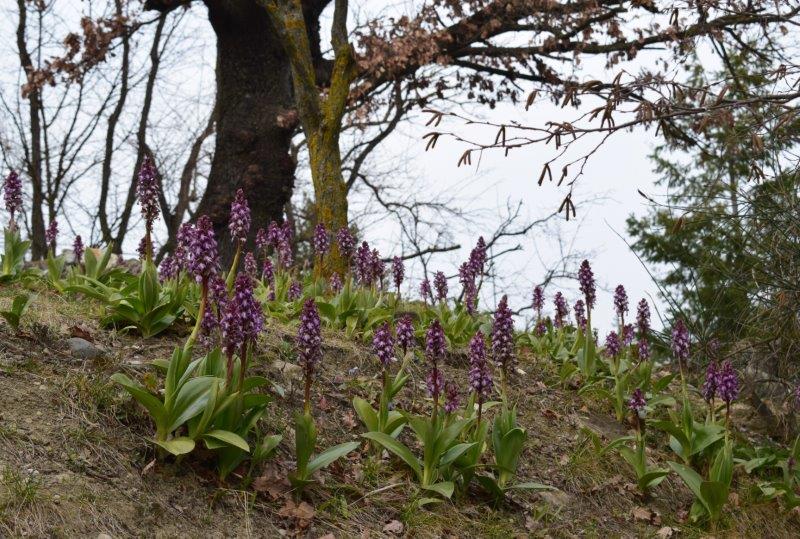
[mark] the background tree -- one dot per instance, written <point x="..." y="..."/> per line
<point x="483" y="48"/>
<point x="725" y="238"/>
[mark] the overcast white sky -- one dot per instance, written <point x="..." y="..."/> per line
<point x="614" y="173"/>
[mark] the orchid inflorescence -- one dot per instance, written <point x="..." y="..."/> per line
<point x="440" y="285"/>
<point x="12" y="195"/>
<point x="321" y="240"/>
<point x="147" y="192"/>
<point x="405" y="334"/>
<point x="51" y="234"/>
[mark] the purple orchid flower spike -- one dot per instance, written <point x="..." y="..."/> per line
<point x="239" y="221"/>
<point x="12" y="194"/>
<point x="50" y="236"/>
<point x="405" y="334"/>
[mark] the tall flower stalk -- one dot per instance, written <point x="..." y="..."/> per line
<point x="50" y="235"/>
<point x="480" y="375"/>
<point x="238" y="226"/>
<point x="202" y="264"/>
<point x="12" y="195"/>
<point x="435" y="350"/>
<point x="147" y="193"/>
<point x="309" y="348"/>
<point x="503" y="342"/>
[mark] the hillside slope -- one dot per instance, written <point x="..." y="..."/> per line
<point x="75" y="461"/>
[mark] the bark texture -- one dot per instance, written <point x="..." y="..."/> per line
<point x="254" y="123"/>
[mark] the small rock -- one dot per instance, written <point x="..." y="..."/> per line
<point x="290" y="370"/>
<point x="103" y="536"/>
<point x="83" y="349"/>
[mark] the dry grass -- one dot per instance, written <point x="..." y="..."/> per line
<point x="75" y="460"/>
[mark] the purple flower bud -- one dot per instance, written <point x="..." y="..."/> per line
<point x="378" y="267"/>
<point x="435" y="343"/>
<point x="262" y="241"/>
<point x="586" y="281"/>
<point x="710" y="383"/>
<point x="383" y="344"/>
<point x="398" y="272"/>
<point x="231" y="326"/>
<point x="147" y="192"/>
<point x="184" y="245"/>
<point x="480" y="376"/>
<point x="239" y="221"/>
<point x="295" y="291"/>
<point x="203" y="254"/>
<point x="644" y="349"/>
<point x="637" y="402"/>
<point x="580" y="314"/>
<point x="309" y="337"/>
<point x="451" y="397"/>
<point x="405" y="334"/>
<point x="728" y="383"/>
<point x="209" y="323"/>
<point x="51" y="234"/>
<point x="425" y="290"/>
<point x="217" y="291"/>
<point x="77" y="249"/>
<point x="335" y="283"/>
<point x="440" y="284"/>
<point x="250" y="265"/>
<point x="287" y="231"/>
<point x="477" y="258"/>
<point x="321" y="240"/>
<point x="251" y="317"/>
<point x="12" y="193"/>
<point x="503" y="337"/>
<point x="562" y="310"/>
<point x="627" y="334"/>
<point x="540" y="328"/>
<point x="268" y="273"/>
<point x="435" y="382"/>
<point x="470" y="290"/>
<point x="643" y="318"/>
<point x="274" y="234"/>
<point x="620" y="301"/>
<point x="168" y="269"/>
<point x="797" y="395"/>
<point x="364" y="266"/>
<point x="142" y="249"/>
<point x="613" y="345"/>
<point x="347" y="243"/>
<point x="680" y="341"/>
<point x="285" y="255"/>
<point x="538" y="300"/>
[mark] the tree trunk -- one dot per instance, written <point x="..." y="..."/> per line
<point x="34" y="155"/>
<point x="254" y="94"/>
<point x="321" y="118"/>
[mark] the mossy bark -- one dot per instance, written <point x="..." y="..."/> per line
<point x="320" y="117"/>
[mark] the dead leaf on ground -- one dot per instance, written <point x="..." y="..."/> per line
<point x="82" y="332"/>
<point x="550" y="414"/>
<point x="323" y="404"/>
<point x="647" y="515"/>
<point x="302" y="513"/>
<point x="665" y="532"/>
<point x="272" y="482"/>
<point x="149" y="467"/>
<point x="328" y="536"/>
<point x="393" y="526"/>
<point x="349" y="420"/>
